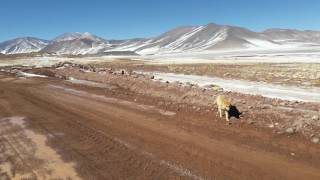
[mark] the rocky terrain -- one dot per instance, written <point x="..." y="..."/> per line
<point x="112" y="120"/>
<point x="295" y="74"/>
<point x="300" y="116"/>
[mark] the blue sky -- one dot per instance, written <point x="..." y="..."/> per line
<point x="121" y="19"/>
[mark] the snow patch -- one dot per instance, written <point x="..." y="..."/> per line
<point x="179" y="42"/>
<point x="89" y="83"/>
<point x="24" y="74"/>
<point x="292" y="93"/>
<point x="263" y="43"/>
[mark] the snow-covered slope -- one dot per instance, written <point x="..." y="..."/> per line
<point x="22" y="45"/>
<point x="200" y="38"/>
<point x="294" y="37"/>
<point x="77" y="43"/>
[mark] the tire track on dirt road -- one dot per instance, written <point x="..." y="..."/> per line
<point x="115" y="141"/>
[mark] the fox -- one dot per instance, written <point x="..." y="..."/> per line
<point x="223" y="104"/>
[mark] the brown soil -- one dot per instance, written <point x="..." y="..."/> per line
<point x="263" y="112"/>
<point x="122" y="133"/>
<point x="289" y="73"/>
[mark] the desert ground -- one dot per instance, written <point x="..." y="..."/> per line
<point x="81" y="118"/>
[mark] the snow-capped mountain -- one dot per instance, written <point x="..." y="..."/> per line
<point x="210" y="37"/>
<point x="22" y="45"/>
<point x="291" y="36"/>
<point x="200" y="38"/>
<point x="67" y="36"/>
<point x="77" y="43"/>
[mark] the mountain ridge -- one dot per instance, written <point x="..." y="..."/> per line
<point x="22" y="45"/>
<point x="210" y="37"/>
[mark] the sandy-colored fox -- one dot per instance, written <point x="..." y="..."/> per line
<point x="223" y="104"/>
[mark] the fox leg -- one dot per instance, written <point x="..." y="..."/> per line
<point x="227" y="115"/>
<point x="220" y="112"/>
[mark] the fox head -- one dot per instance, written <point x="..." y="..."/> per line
<point x="227" y="104"/>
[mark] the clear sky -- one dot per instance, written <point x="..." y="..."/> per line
<point x="121" y="19"/>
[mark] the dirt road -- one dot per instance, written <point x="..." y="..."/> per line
<point x="53" y="129"/>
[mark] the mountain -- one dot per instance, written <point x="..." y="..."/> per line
<point x="200" y="38"/>
<point x="77" y="43"/>
<point x="22" y="45"/>
<point x="67" y="36"/>
<point x="293" y="36"/>
<point x="210" y="37"/>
